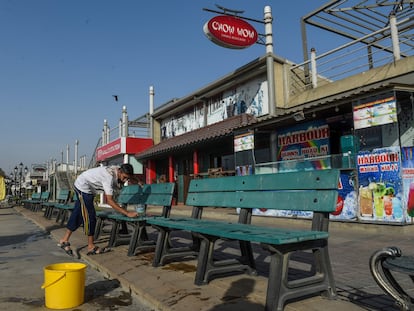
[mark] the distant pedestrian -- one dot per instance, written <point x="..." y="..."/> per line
<point x="104" y="179"/>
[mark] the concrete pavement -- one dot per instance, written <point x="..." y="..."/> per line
<point x="171" y="287"/>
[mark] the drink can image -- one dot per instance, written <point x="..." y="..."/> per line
<point x="140" y="208"/>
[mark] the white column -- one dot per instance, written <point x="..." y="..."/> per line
<point x="269" y="60"/>
<point x="151" y="111"/>
<point x="394" y="37"/>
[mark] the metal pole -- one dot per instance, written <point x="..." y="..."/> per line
<point x="269" y="60"/>
<point x="124" y="129"/>
<point x="151" y="111"/>
<point x="313" y="68"/>
<point x="67" y="155"/>
<point x="394" y="37"/>
<point x="270" y="77"/>
<point x="76" y="156"/>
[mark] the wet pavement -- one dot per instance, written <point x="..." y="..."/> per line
<point x="171" y="287"/>
<point x="25" y="249"/>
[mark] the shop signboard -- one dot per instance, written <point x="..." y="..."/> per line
<point x="109" y="150"/>
<point x="243" y="149"/>
<point x="380" y="185"/>
<point x="377" y="112"/>
<point x="122" y="145"/>
<point x="230" y="32"/>
<point x="243" y="142"/>
<point x="299" y="144"/>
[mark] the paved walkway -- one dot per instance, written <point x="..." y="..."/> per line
<point x="171" y="287"/>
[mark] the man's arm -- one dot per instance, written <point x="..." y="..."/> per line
<point x="110" y="200"/>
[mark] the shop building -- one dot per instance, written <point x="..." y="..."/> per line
<point x="272" y="115"/>
<point x="250" y="122"/>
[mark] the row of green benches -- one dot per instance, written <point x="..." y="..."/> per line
<point x="60" y="207"/>
<point x="313" y="191"/>
<point x="35" y="201"/>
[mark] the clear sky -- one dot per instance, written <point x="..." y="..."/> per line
<point x="61" y="62"/>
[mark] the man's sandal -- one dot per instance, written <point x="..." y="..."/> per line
<point x="97" y="251"/>
<point x="66" y="247"/>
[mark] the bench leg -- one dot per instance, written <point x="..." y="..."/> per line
<point x="161" y="246"/>
<point x="139" y="238"/>
<point x="62" y="216"/>
<point x="384" y="278"/>
<point x="114" y="234"/>
<point x="51" y="211"/>
<point x="207" y="266"/>
<point x="164" y="249"/>
<point x="134" y="240"/>
<point x="280" y="289"/>
<point x="98" y="228"/>
<point x="204" y="260"/>
<point x="247" y="254"/>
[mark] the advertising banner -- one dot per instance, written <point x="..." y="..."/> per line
<point x="347" y="205"/>
<point x="380" y="185"/>
<point x="378" y="112"/>
<point x="407" y="163"/>
<point x="303" y="142"/>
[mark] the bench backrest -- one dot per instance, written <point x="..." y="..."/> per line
<point x="45" y="196"/>
<point x="35" y="196"/>
<point x="315" y="191"/>
<point x="63" y="195"/>
<point x="151" y="194"/>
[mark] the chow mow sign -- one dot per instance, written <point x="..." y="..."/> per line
<point x="230" y="32"/>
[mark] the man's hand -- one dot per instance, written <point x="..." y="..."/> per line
<point x="131" y="214"/>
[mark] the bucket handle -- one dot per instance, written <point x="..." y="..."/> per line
<point x="55" y="281"/>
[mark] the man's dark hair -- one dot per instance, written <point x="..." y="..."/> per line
<point x="127" y="169"/>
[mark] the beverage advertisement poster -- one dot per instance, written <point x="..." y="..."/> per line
<point x="380" y="185"/>
<point x="347" y="204"/>
<point x="407" y="163"/>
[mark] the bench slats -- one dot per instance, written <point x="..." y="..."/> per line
<point x="311" y="180"/>
<point x="302" y="200"/>
<point x="157" y="194"/>
<point x="237" y="231"/>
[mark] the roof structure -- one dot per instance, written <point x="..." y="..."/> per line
<point x="204" y="134"/>
<point x="360" y="19"/>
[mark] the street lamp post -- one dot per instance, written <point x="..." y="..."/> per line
<point x="18" y="179"/>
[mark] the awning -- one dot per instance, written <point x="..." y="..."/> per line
<point x="204" y="134"/>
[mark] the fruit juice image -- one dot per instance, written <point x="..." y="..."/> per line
<point x="410" y="201"/>
<point x="397" y="208"/>
<point x="365" y="201"/>
<point x="378" y="205"/>
<point x="387" y="200"/>
<point x="378" y="191"/>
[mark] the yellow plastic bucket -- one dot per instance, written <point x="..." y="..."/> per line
<point x="64" y="285"/>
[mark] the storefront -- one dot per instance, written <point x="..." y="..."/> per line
<point x="122" y="150"/>
<point x="373" y="150"/>
<point x="369" y="138"/>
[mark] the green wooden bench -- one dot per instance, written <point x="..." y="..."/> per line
<point x="149" y="194"/>
<point x="64" y="209"/>
<point x="49" y="207"/>
<point x="28" y="203"/>
<point x="314" y="191"/>
<point x="36" y="205"/>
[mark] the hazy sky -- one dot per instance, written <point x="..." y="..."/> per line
<point x="61" y="62"/>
